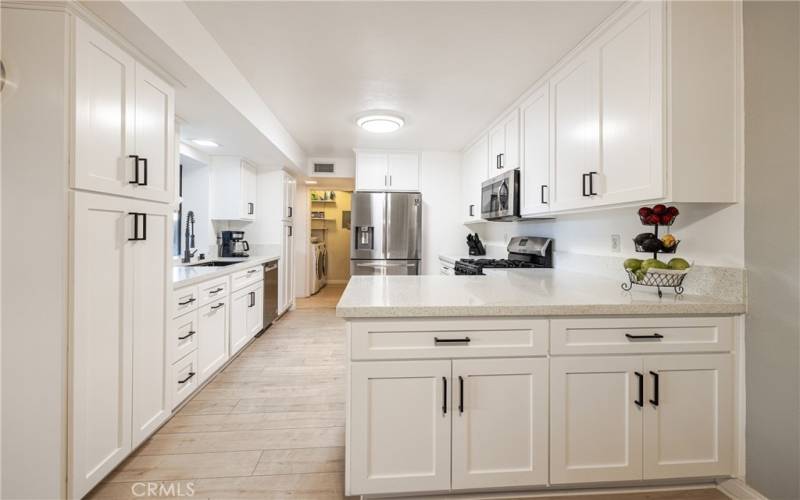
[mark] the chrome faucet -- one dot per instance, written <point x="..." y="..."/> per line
<point x="189" y="234"/>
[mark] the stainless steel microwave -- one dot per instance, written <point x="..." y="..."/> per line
<point x="500" y="197"/>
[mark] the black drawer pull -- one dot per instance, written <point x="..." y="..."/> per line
<point x="437" y="340"/>
<point x="187" y="302"/>
<point x="640" y="400"/>
<point x="252" y="296"/>
<point x="655" y="336"/>
<point x="543" y="200"/>
<point x="216" y="291"/>
<point x="444" y="398"/>
<point x="191" y="332"/>
<point x="460" y="394"/>
<point x="591" y="183"/>
<point x="188" y="378"/>
<point x="217" y="306"/>
<point x="583" y="184"/>
<point x="252" y="271"/>
<point x="654" y="401"/>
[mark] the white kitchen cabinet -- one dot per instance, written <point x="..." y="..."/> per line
<point x="575" y="132"/>
<point x="535" y="164"/>
<point x="286" y="270"/>
<point x="500" y="423"/>
<point x="474" y="170"/>
<point x="246" y="315"/>
<point x="504" y="145"/>
<point x="123" y="122"/>
<point x="183" y="336"/>
<point x="387" y="171"/>
<point x="212" y="348"/>
<point x="233" y="189"/>
<point x="117" y="343"/>
<point x="400" y="426"/>
<point x="688" y="425"/>
<point x="183" y="380"/>
<point x="290" y="187"/>
<point x="595" y="423"/>
<point x="631" y="115"/>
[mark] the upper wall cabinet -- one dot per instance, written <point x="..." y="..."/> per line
<point x="387" y="171"/>
<point x="504" y="144"/>
<point x="631" y="118"/>
<point x="124" y="122"/>
<point x="474" y="170"/>
<point x="233" y="189"/>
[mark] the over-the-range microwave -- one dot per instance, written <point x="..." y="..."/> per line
<point x="500" y="197"/>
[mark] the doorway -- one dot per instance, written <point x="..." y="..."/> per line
<point x="329" y="223"/>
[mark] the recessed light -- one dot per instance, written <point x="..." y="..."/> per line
<point x="380" y="123"/>
<point x="311" y="182"/>
<point x="205" y="142"/>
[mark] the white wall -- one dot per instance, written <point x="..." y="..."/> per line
<point x="196" y="198"/>
<point x="440" y="185"/>
<point x="710" y="234"/>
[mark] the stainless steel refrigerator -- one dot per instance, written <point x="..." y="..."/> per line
<point x="387" y="234"/>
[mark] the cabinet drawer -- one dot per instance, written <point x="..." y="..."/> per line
<point x="184" y="300"/>
<point x="640" y="335"/>
<point x="183" y="335"/>
<point x="246" y="277"/>
<point x="184" y="378"/>
<point x="212" y="290"/>
<point x="447" y="338"/>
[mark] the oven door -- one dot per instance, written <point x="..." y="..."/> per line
<point x="500" y="197"/>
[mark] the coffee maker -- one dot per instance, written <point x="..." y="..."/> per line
<point x="234" y="244"/>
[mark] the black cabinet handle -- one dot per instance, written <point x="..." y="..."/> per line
<point x="543" y="200"/>
<point x="252" y="299"/>
<point x="290" y="230"/>
<point x="188" y="377"/>
<point x="655" y="336"/>
<point x="135" y="169"/>
<point x="591" y="183"/>
<point x="654" y="401"/>
<point x="290" y="212"/>
<point x="187" y="302"/>
<point x="437" y="340"/>
<point x="250" y="208"/>
<point x="444" y="398"/>
<point x="640" y="400"/>
<point x="136" y="216"/>
<point x="472" y="210"/>
<point x="501" y="156"/>
<point x="583" y="184"/>
<point x="217" y="306"/>
<point x="145" y="171"/>
<point x="216" y="291"/>
<point x="460" y="394"/>
<point x="191" y="332"/>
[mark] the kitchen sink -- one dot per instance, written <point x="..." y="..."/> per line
<point x="216" y="263"/>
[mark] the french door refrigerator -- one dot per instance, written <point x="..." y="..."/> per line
<point x="387" y="233"/>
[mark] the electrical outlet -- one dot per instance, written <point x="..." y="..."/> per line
<point x="615" y="243"/>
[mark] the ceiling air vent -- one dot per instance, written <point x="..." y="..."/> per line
<point x="324" y="168"/>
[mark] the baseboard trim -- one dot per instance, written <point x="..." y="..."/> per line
<point x="739" y="490"/>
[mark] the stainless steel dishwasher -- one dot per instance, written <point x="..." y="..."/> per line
<point x="270" y="294"/>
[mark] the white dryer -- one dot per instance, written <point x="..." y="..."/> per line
<point x="319" y="254"/>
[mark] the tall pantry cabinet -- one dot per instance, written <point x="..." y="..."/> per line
<point x="122" y="182"/>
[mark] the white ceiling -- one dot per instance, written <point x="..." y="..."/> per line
<point x="448" y="67"/>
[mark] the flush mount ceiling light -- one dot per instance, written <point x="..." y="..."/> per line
<point x="205" y="142"/>
<point x="380" y="123"/>
<point x="311" y="182"/>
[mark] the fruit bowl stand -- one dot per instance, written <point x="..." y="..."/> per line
<point x="659" y="278"/>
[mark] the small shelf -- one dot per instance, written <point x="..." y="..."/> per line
<point x="322" y="220"/>
<point x="475" y="221"/>
<point x="323" y="201"/>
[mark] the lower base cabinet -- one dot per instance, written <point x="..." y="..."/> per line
<point x="213" y="338"/>
<point x="440" y="425"/>
<point x="644" y="417"/>
<point x="183" y="378"/>
<point x="247" y="315"/>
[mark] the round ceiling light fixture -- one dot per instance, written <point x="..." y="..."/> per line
<point x="380" y="122"/>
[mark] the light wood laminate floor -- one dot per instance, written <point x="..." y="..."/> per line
<point x="270" y="425"/>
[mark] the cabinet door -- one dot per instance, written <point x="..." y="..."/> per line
<point x="688" y="425"/>
<point x="104" y="114"/>
<point x="255" y="311"/>
<point x="497" y="148"/>
<point x="575" y="141"/>
<point x="285" y="274"/>
<point x="400" y="415"/>
<point x="535" y="170"/>
<point x="403" y="171"/>
<point x="155" y="136"/>
<point x="631" y="92"/>
<point x="240" y="303"/>
<point x="595" y="421"/>
<point x="511" y="149"/>
<point x="101" y="340"/>
<point x="212" y="350"/>
<point x="151" y="266"/>
<point x="499" y="423"/>
<point x="289" y="187"/>
<point x="474" y="170"/>
<point x="248" y="189"/>
<point x="371" y="171"/>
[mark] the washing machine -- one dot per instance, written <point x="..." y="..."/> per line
<point x="319" y="254"/>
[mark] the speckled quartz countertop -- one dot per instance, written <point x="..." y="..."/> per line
<point x="183" y="275"/>
<point x="540" y="292"/>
